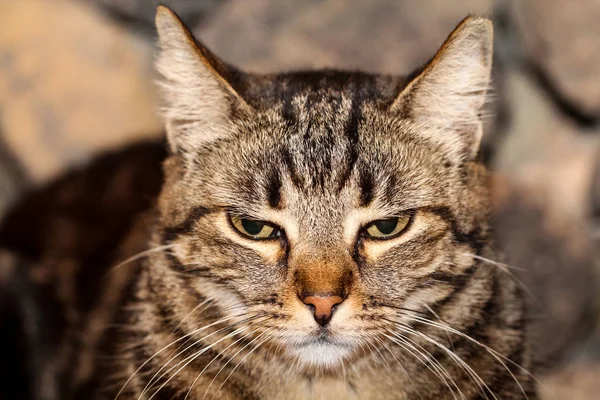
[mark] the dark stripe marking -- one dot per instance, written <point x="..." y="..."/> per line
<point x="291" y="167"/>
<point x="274" y="189"/>
<point x="171" y="233"/>
<point x="366" y="187"/>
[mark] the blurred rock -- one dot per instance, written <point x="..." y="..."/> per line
<point x="552" y="257"/>
<point x="140" y="13"/>
<point x="595" y="195"/>
<point x="72" y="82"/>
<point x="546" y="151"/>
<point x="380" y="35"/>
<point x="578" y="382"/>
<point x="562" y="39"/>
<point x="543" y="220"/>
<point x="12" y="179"/>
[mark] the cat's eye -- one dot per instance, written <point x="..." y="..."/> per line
<point x="255" y="229"/>
<point x="388" y="228"/>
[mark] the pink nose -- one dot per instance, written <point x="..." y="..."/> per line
<point x="323" y="307"/>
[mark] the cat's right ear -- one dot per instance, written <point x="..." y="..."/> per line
<point x="198" y="98"/>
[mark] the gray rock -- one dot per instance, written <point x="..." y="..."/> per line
<point x="141" y="12"/>
<point x="552" y="258"/>
<point x="561" y="40"/>
<point x="13" y="179"/>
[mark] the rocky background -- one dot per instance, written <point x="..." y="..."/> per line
<point x="76" y="78"/>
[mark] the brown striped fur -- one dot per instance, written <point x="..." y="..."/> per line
<point x="203" y="312"/>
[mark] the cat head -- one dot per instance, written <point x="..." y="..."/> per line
<point x="324" y="201"/>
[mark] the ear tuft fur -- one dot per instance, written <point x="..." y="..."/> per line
<point x="197" y="98"/>
<point x="447" y="97"/>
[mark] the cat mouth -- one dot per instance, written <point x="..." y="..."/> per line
<point x="322" y="350"/>
<point x="323" y="339"/>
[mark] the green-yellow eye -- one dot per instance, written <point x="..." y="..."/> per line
<point x="388" y="228"/>
<point x="255" y="229"/>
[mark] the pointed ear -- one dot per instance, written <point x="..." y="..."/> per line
<point x="198" y="99"/>
<point x="447" y="97"/>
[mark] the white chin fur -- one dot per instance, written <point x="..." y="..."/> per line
<point x="321" y="354"/>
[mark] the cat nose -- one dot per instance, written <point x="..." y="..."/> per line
<point x="323" y="307"/>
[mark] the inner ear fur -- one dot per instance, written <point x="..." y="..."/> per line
<point x="446" y="99"/>
<point x="198" y="97"/>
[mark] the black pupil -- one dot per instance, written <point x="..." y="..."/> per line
<point x="252" y="227"/>
<point x="386" y="226"/>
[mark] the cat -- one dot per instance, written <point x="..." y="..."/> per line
<point x="311" y="235"/>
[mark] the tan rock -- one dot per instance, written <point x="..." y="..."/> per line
<point x="71" y="83"/>
<point x="578" y="382"/>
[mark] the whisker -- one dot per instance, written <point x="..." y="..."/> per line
<point x="452" y="329"/>
<point x="376" y="349"/>
<point x="491" y="351"/>
<point x="215" y="357"/>
<point x="497" y="263"/>
<point x="497" y="355"/>
<point x="459" y="361"/>
<point x="439" y="371"/>
<point x="190" y="359"/>
<point x="399" y="363"/>
<point x="138" y="256"/>
<point x="205" y="302"/>
<point x="431" y="310"/>
<point x="150" y="382"/>
<point x="228" y="361"/>
<point x="238" y="364"/>
<point x="506" y="269"/>
<point x="163" y="349"/>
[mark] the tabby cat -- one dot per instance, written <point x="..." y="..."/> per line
<point x="312" y="235"/>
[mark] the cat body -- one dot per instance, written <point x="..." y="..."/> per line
<point x="313" y="235"/>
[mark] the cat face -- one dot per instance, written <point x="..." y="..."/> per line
<point x="324" y="202"/>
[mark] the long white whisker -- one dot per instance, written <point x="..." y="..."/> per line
<point x="215" y="357"/>
<point x="163" y="349"/>
<point x="399" y="363"/>
<point x="239" y="363"/>
<point x="459" y="361"/>
<point x="138" y="256"/>
<point x="198" y="308"/>
<point x="439" y="371"/>
<point x="497" y="263"/>
<point x="491" y="351"/>
<point x="151" y="381"/>
<point x="191" y="358"/>
<point x="446" y="332"/>
<point x="228" y="361"/>
<point x="373" y="346"/>
<point x="506" y="269"/>
<point x="451" y="329"/>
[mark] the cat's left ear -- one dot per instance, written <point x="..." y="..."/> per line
<point x="445" y="100"/>
<point x="198" y="96"/>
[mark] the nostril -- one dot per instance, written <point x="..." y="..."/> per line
<point x="322" y="307"/>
